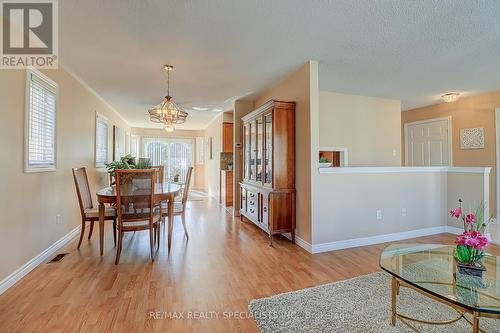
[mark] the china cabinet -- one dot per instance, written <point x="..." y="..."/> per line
<point x="268" y="186"/>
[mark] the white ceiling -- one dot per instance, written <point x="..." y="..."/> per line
<point x="222" y="49"/>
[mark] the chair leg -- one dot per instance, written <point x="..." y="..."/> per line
<point x="183" y="219"/>
<point x="119" y="248"/>
<point x="91" y="229"/>
<point x="82" y="232"/>
<point x="151" y="243"/>
<point x="114" y="230"/>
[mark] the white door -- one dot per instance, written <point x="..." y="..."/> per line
<point x="428" y="143"/>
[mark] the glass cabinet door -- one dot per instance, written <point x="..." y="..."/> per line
<point x="268" y="149"/>
<point x="260" y="142"/>
<point x="253" y="150"/>
<point x="246" y="152"/>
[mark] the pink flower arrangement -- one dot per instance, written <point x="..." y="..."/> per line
<point x="471" y="243"/>
<point x="473" y="239"/>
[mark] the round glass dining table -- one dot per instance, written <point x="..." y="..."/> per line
<point x="164" y="192"/>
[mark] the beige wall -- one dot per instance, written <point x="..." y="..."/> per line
<point x="466" y="186"/>
<point x="30" y="202"/>
<point x="369" y="127"/>
<point x="297" y="87"/>
<point x="472" y="111"/>
<point x="199" y="169"/>
<point x="349" y="211"/>
<point x="212" y="166"/>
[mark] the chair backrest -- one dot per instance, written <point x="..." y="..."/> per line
<point x="186" y="186"/>
<point x="135" y="195"/>
<point x="158" y="173"/>
<point x="82" y="189"/>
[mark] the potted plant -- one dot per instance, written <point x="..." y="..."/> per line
<point x="324" y="162"/>
<point x="471" y="243"/>
<point x="127" y="162"/>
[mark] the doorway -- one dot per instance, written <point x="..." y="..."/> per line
<point x="176" y="155"/>
<point x="428" y="142"/>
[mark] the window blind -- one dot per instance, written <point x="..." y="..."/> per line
<point x="101" y="140"/>
<point x="41" y="123"/>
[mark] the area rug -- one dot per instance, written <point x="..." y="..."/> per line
<point x="361" y="304"/>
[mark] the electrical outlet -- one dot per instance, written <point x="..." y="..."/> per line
<point x="403" y="211"/>
<point x="394" y="152"/>
<point x="379" y="214"/>
<point x="58" y="219"/>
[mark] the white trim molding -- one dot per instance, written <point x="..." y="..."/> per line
<point x="356" y="242"/>
<point x="22" y="271"/>
<point x="351" y="170"/>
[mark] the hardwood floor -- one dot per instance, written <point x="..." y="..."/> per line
<point x="222" y="267"/>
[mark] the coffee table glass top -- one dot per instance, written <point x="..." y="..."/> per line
<point x="432" y="268"/>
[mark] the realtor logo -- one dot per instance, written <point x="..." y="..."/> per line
<point x="29" y="34"/>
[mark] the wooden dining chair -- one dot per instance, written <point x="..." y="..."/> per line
<point x="159" y="169"/>
<point x="88" y="211"/>
<point x="180" y="206"/>
<point x="136" y="188"/>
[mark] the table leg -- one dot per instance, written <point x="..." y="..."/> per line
<point x="170" y="221"/>
<point x="101" y="228"/>
<point x="475" y="322"/>
<point x="394" y="295"/>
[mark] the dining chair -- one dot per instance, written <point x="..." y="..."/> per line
<point x="159" y="169"/>
<point x="88" y="211"/>
<point x="136" y="188"/>
<point x="180" y="206"/>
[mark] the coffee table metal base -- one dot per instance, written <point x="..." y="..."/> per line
<point x="397" y="283"/>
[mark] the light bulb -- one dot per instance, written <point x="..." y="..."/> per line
<point x="169" y="128"/>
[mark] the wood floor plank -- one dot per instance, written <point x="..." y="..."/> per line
<point x="224" y="265"/>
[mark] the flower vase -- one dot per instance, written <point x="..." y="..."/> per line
<point x="471" y="269"/>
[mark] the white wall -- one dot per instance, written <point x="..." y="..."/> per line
<point x="369" y="127"/>
<point x="351" y="197"/>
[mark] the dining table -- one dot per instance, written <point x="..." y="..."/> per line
<point x="164" y="192"/>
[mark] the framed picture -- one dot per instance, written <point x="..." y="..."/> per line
<point x="117" y="149"/>
<point x="210" y="148"/>
<point x="472" y="138"/>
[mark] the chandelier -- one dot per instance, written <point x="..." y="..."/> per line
<point x="168" y="112"/>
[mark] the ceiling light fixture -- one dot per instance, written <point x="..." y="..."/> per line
<point x="450" y="97"/>
<point x="199" y="108"/>
<point x="216" y="110"/>
<point x="168" y="112"/>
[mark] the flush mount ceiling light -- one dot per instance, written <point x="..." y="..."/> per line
<point x="168" y="112"/>
<point x="450" y="97"/>
<point x="216" y="110"/>
<point x="200" y="108"/>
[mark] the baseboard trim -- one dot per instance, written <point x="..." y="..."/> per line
<point x="22" y="271"/>
<point x="357" y="242"/>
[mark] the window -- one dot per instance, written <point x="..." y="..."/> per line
<point x="101" y="140"/>
<point x="176" y="155"/>
<point x="40" y="123"/>
<point x="200" y="150"/>
<point x="134" y="145"/>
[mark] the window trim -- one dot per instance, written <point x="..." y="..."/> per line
<point x="97" y="116"/>
<point x="31" y="71"/>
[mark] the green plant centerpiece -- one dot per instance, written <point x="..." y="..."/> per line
<point x="127" y="162"/>
<point x="324" y="162"/>
<point x="471" y="243"/>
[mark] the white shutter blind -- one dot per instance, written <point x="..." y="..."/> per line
<point x="41" y="123"/>
<point x="101" y="140"/>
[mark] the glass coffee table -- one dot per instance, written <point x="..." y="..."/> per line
<point x="431" y="270"/>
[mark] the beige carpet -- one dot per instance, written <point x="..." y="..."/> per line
<point x="361" y="304"/>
